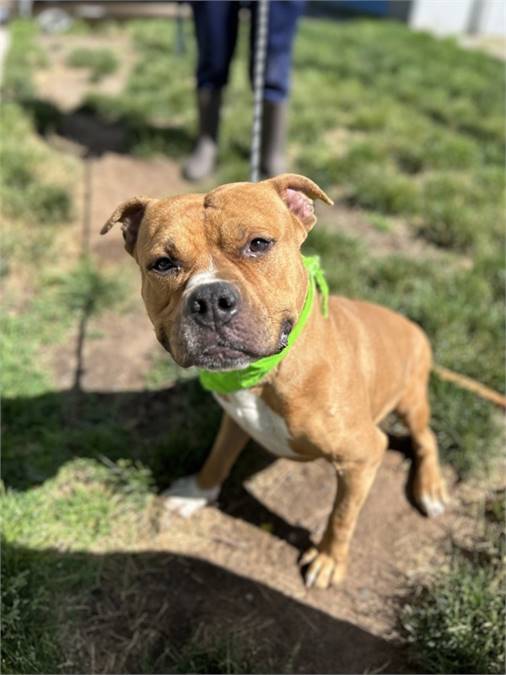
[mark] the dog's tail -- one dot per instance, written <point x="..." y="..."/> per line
<point x="471" y="385"/>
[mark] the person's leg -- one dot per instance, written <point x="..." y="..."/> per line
<point x="216" y="23"/>
<point x="283" y="18"/>
<point x="216" y="33"/>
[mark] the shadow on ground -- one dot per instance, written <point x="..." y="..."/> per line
<point x="169" y="431"/>
<point x="97" y="133"/>
<point x="161" y="613"/>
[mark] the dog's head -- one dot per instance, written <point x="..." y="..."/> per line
<point x="222" y="277"/>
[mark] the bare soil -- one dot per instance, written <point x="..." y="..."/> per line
<point x="233" y="566"/>
<point x="68" y="86"/>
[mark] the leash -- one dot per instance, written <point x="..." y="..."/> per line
<point x="258" y="87"/>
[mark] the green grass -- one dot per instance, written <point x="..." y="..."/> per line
<point x="379" y="222"/>
<point x="24" y="193"/>
<point x="85" y="288"/>
<point x="28" y="643"/>
<point x="212" y="656"/>
<point x="75" y="510"/>
<point x="455" y="624"/>
<point x="24" y="54"/>
<point x="423" y="122"/>
<point x="463" y="211"/>
<point x="100" y="62"/>
<point x="46" y="320"/>
<point x="419" y="126"/>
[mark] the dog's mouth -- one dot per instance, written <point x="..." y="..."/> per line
<point x="224" y="357"/>
<point x="213" y="350"/>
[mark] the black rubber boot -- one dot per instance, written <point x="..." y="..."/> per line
<point x="274" y="125"/>
<point x="202" y="161"/>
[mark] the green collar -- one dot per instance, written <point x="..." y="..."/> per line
<point x="232" y="380"/>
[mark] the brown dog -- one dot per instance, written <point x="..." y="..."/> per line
<point x="223" y="284"/>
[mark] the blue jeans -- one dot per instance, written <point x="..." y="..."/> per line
<point x="216" y="24"/>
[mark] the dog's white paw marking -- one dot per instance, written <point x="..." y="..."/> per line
<point x="433" y="507"/>
<point x="185" y="497"/>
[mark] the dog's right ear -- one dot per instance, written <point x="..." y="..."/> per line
<point x="130" y="215"/>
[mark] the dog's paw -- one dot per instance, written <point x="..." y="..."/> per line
<point x="185" y="497"/>
<point x="433" y="504"/>
<point x="430" y="490"/>
<point x="322" y="570"/>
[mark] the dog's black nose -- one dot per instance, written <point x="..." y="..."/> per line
<point x="213" y="305"/>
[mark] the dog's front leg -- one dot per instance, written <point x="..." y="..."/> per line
<point x="191" y="493"/>
<point x="229" y="443"/>
<point x="327" y="562"/>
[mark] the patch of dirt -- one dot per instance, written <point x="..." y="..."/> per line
<point x="123" y="351"/>
<point x="232" y="570"/>
<point x="113" y="352"/>
<point x="186" y="596"/>
<point x="114" y="356"/>
<point x="115" y="178"/>
<point x="495" y="45"/>
<point x="66" y="86"/>
<point x="392" y="541"/>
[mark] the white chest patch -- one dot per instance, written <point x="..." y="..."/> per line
<point x="259" y="421"/>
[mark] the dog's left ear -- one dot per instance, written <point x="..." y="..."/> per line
<point x="298" y="193"/>
<point x="130" y="215"/>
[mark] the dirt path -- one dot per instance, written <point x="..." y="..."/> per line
<point x="119" y="359"/>
<point x="235" y="565"/>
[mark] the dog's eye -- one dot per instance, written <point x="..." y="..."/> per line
<point x="164" y="265"/>
<point x="259" y="245"/>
